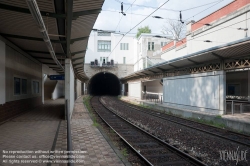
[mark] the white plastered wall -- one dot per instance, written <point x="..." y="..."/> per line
<point x="69" y="85"/>
<point x="135" y="89"/>
<point x="198" y="92"/>
<point x="153" y="86"/>
<point x="17" y="64"/>
<point x="78" y="88"/>
<point x="217" y="34"/>
<point x="59" y="90"/>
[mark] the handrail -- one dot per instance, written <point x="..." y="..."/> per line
<point x="69" y="139"/>
<point x="238" y="101"/>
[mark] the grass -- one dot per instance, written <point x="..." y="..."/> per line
<point x="218" y="116"/>
<point x="86" y="101"/>
<point x="124" y="152"/>
<point x="207" y="122"/>
<point x="95" y="123"/>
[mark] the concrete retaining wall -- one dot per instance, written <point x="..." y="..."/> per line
<point x="199" y="92"/>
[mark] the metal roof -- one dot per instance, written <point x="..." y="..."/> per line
<point x="60" y="17"/>
<point x="232" y="50"/>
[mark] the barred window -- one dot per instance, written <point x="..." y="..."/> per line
<point x="163" y="44"/>
<point x="104" y="46"/>
<point x="124" y="46"/>
<point x="103" y="34"/>
<point x="35" y="87"/>
<point x="17" y="86"/>
<point x="149" y="45"/>
<point x="24" y="86"/>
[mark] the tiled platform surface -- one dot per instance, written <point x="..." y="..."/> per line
<point x="87" y="138"/>
<point x="240" y="122"/>
<point x="33" y="130"/>
<point x="44" y="129"/>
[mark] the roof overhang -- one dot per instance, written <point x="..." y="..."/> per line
<point x="68" y="23"/>
<point x="232" y="50"/>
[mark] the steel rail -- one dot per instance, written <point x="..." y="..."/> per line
<point x="180" y="153"/>
<point x="208" y="132"/>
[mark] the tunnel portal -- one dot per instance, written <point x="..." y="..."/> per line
<point x="104" y="84"/>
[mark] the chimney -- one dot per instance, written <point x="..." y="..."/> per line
<point x="189" y="27"/>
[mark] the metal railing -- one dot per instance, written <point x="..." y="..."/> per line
<point x="237" y="107"/>
<point x="125" y="93"/>
<point x="106" y="65"/>
<point x="153" y="97"/>
<point x="69" y="139"/>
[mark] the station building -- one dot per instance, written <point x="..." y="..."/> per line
<point x="208" y="70"/>
<point x="38" y="40"/>
<point x="107" y="60"/>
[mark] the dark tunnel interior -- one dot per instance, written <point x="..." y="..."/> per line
<point x="104" y="84"/>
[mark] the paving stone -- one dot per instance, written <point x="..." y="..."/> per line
<point x="35" y="130"/>
<point x="86" y="136"/>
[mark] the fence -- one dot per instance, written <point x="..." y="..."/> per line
<point x="237" y="107"/>
<point x="153" y="97"/>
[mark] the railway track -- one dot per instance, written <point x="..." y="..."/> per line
<point x="222" y="133"/>
<point x="201" y="141"/>
<point x="150" y="149"/>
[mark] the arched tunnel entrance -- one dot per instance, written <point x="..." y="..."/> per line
<point x="104" y="84"/>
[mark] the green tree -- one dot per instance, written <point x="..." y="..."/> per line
<point x="141" y="30"/>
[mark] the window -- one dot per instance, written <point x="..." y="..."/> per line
<point x="124" y="60"/>
<point x="107" y="59"/>
<point x="163" y="44"/>
<point x="24" y="86"/>
<point x="100" y="59"/>
<point x="104" y="34"/>
<point x="35" y="87"/>
<point x="17" y="86"/>
<point x="104" y="46"/>
<point x="151" y="46"/>
<point x="123" y="46"/>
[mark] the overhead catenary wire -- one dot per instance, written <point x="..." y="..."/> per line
<point x="137" y="25"/>
<point x="105" y="10"/>
<point x="216" y="31"/>
<point x="123" y="15"/>
<point x="203" y="10"/>
<point x="194" y="39"/>
<point x="185" y="21"/>
<point x="144" y="6"/>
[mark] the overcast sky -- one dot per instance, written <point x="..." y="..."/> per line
<point x="109" y="18"/>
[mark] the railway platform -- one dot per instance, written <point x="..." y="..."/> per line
<point x="238" y="122"/>
<point x="44" y="129"/>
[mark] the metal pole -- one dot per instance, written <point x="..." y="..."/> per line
<point x="241" y="111"/>
<point x="69" y="140"/>
<point x="232" y="107"/>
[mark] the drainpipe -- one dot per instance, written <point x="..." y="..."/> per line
<point x="35" y="12"/>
